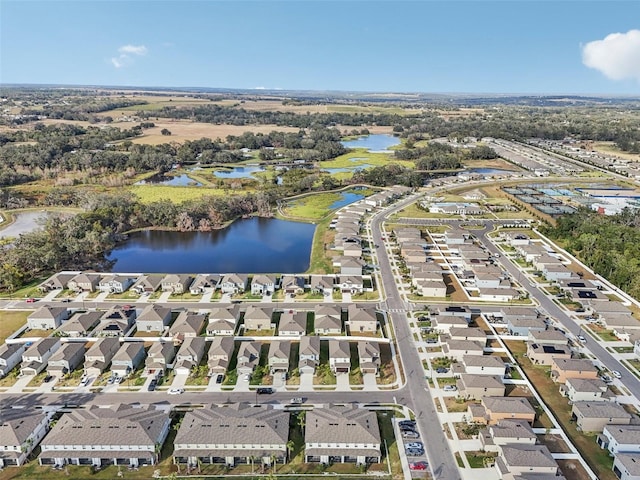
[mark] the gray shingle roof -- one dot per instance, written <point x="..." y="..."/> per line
<point x="527" y="456"/>
<point x="16" y="424"/>
<point x="343" y="424"/>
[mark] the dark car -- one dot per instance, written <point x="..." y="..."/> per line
<point x="407" y="423"/>
<point x="265" y="391"/>
<point x="442" y="370"/>
<point x="219" y="378"/>
<point x="152" y="385"/>
<point x="48" y="378"/>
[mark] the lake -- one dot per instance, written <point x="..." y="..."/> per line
<point x="254" y="245"/>
<point x="373" y="143"/>
<point x="361" y="166"/>
<point x="347" y="198"/>
<point x="173" y="180"/>
<point x="239" y="172"/>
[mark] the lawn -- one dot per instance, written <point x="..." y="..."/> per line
<point x="311" y="207"/>
<point x="322" y="237"/>
<point x="597" y="458"/>
<point x="364" y="157"/>
<point x="11" y="321"/>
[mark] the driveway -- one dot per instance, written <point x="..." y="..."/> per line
<point x="342" y="382"/>
<point x="369" y="381"/>
<point x="179" y="380"/>
<point x="306" y="381"/>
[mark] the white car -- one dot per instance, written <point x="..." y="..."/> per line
<point x="450" y="388"/>
<point x="616" y="374"/>
<point x="581" y="338"/>
<point x="176" y="391"/>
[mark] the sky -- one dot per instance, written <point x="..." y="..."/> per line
<point x="508" y="46"/>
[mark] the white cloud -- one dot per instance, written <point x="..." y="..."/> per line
<point x="133" y="49"/>
<point x="617" y="55"/>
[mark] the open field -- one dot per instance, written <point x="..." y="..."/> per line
<point x="11" y="321"/>
<point x="312" y="207"/>
<point x="155" y="193"/>
<point x="610" y="148"/>
<point x="361" y="156"/>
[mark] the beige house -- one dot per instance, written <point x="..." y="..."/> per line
<point x="98" y="357"/>
<point x="507" y="432"/>
<point x="516" y="460"/>
<point x="457" y="349"/>
<point x="369" y="357"/>
<point x="475" y="387"/>
<point x="362" y="320"/>
<point x="328" y="320"/>
<point x="219" y="355"/>
<point x="594" y="416"/>
<point x="544" y="354"/>
<point x="564" y="368"/>
<point x="492" y="410"/>
<point x="257" y="318"/>
<point x="585" y="389"/>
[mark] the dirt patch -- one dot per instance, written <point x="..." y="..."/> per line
<point x="554" y="443"/>
<point x="573" y="470"/>
<point x="455" y="292"/>
<point x="517" y="391"/>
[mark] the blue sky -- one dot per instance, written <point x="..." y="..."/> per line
<point x="421" y="46"/>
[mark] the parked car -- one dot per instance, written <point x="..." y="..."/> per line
<point x="410" y="434"/>
<point x="414" y="452"/>
<point x="606" y="379"/>
<point x="408" y="423"/>
<point x="450" y="388"/>
<point x="581" y="338"/>
<point x="30" y="300"/>
<point x="264" y="391"/>
<point x="415" y="445"/>
<point x="616" y="374"/>
<point x="112" y="379"/>
<point x="442" y="370"/>
<point x="418" y="465"/>
<point x="219" y="378"/>
<point x="152" y="385"/>
<point x="48" y="378"/>
<point x="176" y="391"/>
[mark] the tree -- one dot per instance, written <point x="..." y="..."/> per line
<point x="165" y="132"/>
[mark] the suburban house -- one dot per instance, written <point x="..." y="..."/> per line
<point x="233" y="283"/>
<point x="159" y="357"/>
<point x="292" y="284"/>
<point x="351" y="266"/>
<point x="351" y="284"/>
<point x="187" y="324"/>
<point x="549" y="337"/>
<point x="189" y="355"/>
<point x="309" y="354"/>
<point x="339" y="356"/>
<point x="480" y="365"/>
<point x="97" y="435"/>
<point x="328" y="320"/>
<point x="492" y="410"/>
<point x="521" y="459"/>
<point x="351" y="249"/>
<point x="585" y="389"/>
<point x="263" y="285"/>
<point x="127" y="359"/>
<point x="444" y="323"/>
<point x="323" y="284"/>
<point x="342" y="434"/>
<point x="620" y="439"/>
<point x="147" y="283"/>
<point x="468" y="333"/>
<point x="292" y="324"/>
<point x="369" y="357"/>
<point x="362" y="319"/>
<point x="99" y="355"/>
<point x="115" y="322"/>
<point x="35" y="358"/>
<point x="80" y="324"/>
<point x="564" y="368"/>
<point x="507" y="432"/>
<point x="153" y="318"/>
<point x="203" y="282"/>
<point x="594" y="416"/>
<point x="457" y="349"/>
<point x="21" y="430"/>
<point x="10" y="356"/>
<point x="523" y="326"/>
<point x="222" y="321"/>
<point x="477" y="386"/>
<point x="58" y="281"/>
<point x="431" y="288"/>
<point x="278" y="357"/>
<point x="116" y="283"/>
<point x="66" y="358"/>
<point x="257" y="318"/>
<point x="248" y="357"/>
<point x="219" y="355"/>
<point x="84" y="282"/>
<point x="232" y="434"/>
<point x="545" y="354"/>
<point x="47" y="318"/>
<point x="626" y="466"/>
<point x="176" y="284"/>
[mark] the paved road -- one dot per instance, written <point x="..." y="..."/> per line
<point x="416" y="394"/>
<point x="628" y="379"/>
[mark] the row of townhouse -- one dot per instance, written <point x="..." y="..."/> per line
<point x="349" y="280"/>
<point x="232" y="434"/>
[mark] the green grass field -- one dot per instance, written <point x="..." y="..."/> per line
<point x="363" y="157"/>
<point x="312" y="207"/>
<point x="11" y="321"/>
<point x="156" y="193"/>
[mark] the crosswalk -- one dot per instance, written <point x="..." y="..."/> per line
<point x="397" y="310"/>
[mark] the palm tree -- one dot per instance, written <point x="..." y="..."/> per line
<point x="290" y="445"/>
<point x="252" y="460"/>
<point x="274" y="461"/>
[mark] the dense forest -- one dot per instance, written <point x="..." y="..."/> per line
<point x="610" y="245"/>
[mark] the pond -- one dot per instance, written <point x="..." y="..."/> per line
<point x="347" y="198"/>
<point x="373" y="143"/>
<point x="173" y="180"/>
<point x="239" y="172"/>
<point x="254" y="245"/>
<point x="23" y="223"/>
<point x="361" y="166"/>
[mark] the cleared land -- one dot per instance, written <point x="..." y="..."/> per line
<point x="11" y="321"/>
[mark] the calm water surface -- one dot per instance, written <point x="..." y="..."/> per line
<point x="255" y="245"/>
<point x="238" y="172"/>
<point x="373" y="143"/>
<point x="173" y="180"/>
<point x="347" y="198"/>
